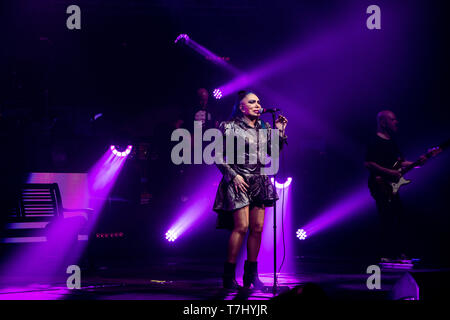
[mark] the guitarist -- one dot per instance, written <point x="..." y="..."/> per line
<point x="382" y="154"/>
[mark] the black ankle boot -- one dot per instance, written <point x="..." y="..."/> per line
<point x="229" y="276"/>
<point x="251" y="275"/>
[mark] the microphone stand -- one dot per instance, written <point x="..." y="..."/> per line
<point x="275" y="288"/>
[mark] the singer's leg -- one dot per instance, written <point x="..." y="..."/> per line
<point x="256" y="219"/>
<point x="241" y="222"/>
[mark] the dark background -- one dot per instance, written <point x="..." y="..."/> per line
<point x="124" y="63"/>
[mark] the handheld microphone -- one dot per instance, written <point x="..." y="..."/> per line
<point x="271" y="110"/>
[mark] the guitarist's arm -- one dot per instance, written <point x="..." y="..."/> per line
<point x="406" y="163"/>
<point x="419" y="163"/>
<point x="379" y="170"/>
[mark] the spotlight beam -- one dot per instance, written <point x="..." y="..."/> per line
<point x="208" y="54"/>
<point x="195" y="211"/>
<point x="355" y="203"/>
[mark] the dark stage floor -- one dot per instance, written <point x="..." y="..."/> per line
<point x="198" y="280"/>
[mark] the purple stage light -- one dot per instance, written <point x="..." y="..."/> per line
<point x="208" y="54"/>
<point x="182" y="36"/>
<point x="301" y="234"/>
<point x="282" y="185"/>
<point x="286" y="246"/>
<point x="192" y="213"/>
<point x="34" y="291"/>
<point x="59" y="245"/>
<point x="217" y="94"/>
<point x="119" y="153"/>
<point x="355" y="203"/>
<point x="73" y="187"/>
<point x="171" y="236"/>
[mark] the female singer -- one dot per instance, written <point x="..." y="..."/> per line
<point x="244" y="191"/>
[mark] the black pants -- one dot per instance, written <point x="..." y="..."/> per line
<point x="392" y="226"/>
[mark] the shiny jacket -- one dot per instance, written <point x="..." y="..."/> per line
<point x="260" y="192"/>
<point x="246" y="161"/>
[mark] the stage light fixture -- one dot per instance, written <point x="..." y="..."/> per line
<point x="121" y="153"/>
<point x="171" y="236"/>
<point x="181" y="37"/>
<point x="282" y="185"/>
<point x="217" y="93"/>
<point x="301" y="234"/>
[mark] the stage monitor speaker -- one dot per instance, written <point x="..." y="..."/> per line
<point x="426" y="285"/>
<point x="405" y="289"/>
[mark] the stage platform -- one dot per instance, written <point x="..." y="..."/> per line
<point x="198" y="279"/>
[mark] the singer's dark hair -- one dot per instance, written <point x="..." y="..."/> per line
<point x="236" y="110"/>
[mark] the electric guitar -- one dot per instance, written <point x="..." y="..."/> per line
<point x="391" y="187"/>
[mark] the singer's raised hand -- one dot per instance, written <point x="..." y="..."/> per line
<point x="281" y="122"/>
